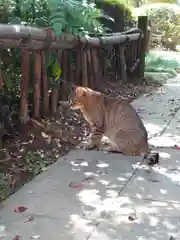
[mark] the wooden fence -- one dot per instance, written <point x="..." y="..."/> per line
<point x="123" y="53"/>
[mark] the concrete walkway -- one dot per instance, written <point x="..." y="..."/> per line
<point x="86" y="195"/>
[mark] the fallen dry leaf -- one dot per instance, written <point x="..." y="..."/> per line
<point x="17" y="237"/>
<point x="76" y="185"/>
<point x="30" y="219"/>
<point x="20" y="209"/>
<point x="132" y="218"/>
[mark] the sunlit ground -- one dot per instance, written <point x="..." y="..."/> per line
<point x="104" y="201"/>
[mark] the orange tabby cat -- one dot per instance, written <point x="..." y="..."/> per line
<point x="114" y="118"/>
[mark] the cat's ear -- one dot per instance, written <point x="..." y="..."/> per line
<point x="81" y="91"/>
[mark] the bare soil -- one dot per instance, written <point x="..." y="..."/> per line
<point x="40" y="144"/>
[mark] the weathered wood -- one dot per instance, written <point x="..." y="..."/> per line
<point x="90" y="70"/>
<point x="143" y="25"/>
<point x="129" y="57"/>
<point x="24" y="86"/>
<point x="95" y="42"/>
<point x="35" y="38"/>
<point x="54" y="97"/>
<point x="96" y="68"/>
<point x="1" y="74"/>
<point x="117" y="58"/>
<point x="84" y="68"/>
<point x="33" y="44"/>
<point x="71" y="74"/>
<point x="45" y="91"/>
<point x="133" y="58"/>
<point x="63" y="87"/>
<point x="123" y="64"/>
<point x="114" y="39"/>
<point x="31" y="33"/>
<point x="78" y="67"/>
<point x="37" y="85"/>
<point x="130" y="31"/>
<point x="34" y="33"/>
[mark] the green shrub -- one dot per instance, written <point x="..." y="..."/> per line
<point x="74" y="16"/>
<point x="165" y="21"/>
<point x="119" y="11"/>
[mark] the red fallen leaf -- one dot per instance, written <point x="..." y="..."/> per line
<point x="17" y="237"/>
<point x="76" y="185"/>
<point x="177" y="147"/>
<point x="30" y="219"/>
<point x="20" y="209"/>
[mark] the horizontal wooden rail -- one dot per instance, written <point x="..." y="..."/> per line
<point x="115" y="39"/>
<point x="19" y="36"/>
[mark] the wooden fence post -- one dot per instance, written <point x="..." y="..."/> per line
<point x="1" y="74"/>
<point x="84" y="68"/>
<point x="37" y="85"/>
<point x="44" y="85"/>
<point x="96" y="69"/>
<point x="78" y="67"/>
<point x="143" y="25"/>
<point x="24" y="86"/>
<point x="122" y="63"/>
<point x="63" y="86"/>
<point x="90" y="69"/>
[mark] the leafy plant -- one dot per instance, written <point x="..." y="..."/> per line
<point x="36" y="163"/>
<point x="7" y="113"/>
<point x="165" y="21"/>
<point x="75" y="16"/>
<point x="119" y="11"/>
<point x="4" y="186"/>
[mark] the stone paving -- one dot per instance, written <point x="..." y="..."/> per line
<point x="95" y="195"/>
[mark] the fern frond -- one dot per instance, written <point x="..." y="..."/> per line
<point x="57" y="15"/>
<point x="75" y="16"/>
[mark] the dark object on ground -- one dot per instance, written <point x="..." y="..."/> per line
<point x="153" y="158"/>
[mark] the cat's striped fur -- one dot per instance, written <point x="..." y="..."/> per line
<point x="114" y="118"/>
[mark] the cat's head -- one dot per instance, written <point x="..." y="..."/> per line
<point x="78" y="97"/>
